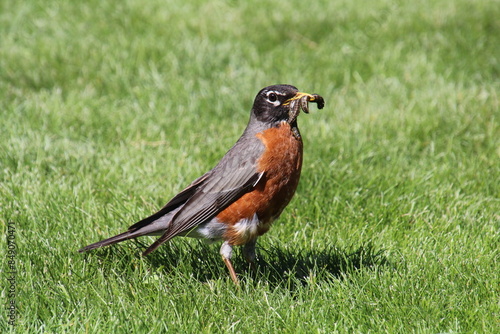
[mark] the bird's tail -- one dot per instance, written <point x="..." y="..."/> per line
<point x="113" y="240"/>
<point x="153" y="225"/>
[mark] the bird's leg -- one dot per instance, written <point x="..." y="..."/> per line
<point x="249" y="253"/>
<point x="227" y="251"/>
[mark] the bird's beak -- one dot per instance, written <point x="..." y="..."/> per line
<point x="301" y="102"/>
<point x="304" y="98"/>
<point x="310" y="98"/>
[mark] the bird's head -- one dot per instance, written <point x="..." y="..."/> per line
<point x="278" y="103"/>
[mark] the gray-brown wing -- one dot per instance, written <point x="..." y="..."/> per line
<point x="209" y="201"/>
<point x="234" y="176"/>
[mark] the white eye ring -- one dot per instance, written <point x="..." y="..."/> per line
<point x="272" y="97"/>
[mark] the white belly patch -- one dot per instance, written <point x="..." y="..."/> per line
<point x="247" y="228"/>
<point x="215" y="230"/>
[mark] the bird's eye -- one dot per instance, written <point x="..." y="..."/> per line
<point x="272" y="97"/>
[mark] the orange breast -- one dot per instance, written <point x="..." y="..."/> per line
<point x="281" y="164"/>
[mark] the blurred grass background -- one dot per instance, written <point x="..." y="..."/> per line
<point x="109" y="108"/>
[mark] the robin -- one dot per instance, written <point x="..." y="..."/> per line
<point x="238" y="199"/>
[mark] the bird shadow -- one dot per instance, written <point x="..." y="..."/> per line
<point x="282" y="265"/>
<point x="295" y="267"/>
<point x="276" y="265"/>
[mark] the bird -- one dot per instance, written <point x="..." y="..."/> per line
<point x="237" y="201"/>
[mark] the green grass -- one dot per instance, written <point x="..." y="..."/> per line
<point x="109" y="108"/>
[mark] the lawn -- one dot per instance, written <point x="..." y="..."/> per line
<point x="109" y="108"/>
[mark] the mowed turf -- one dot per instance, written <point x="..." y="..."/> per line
<point x="109" y="108"/>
